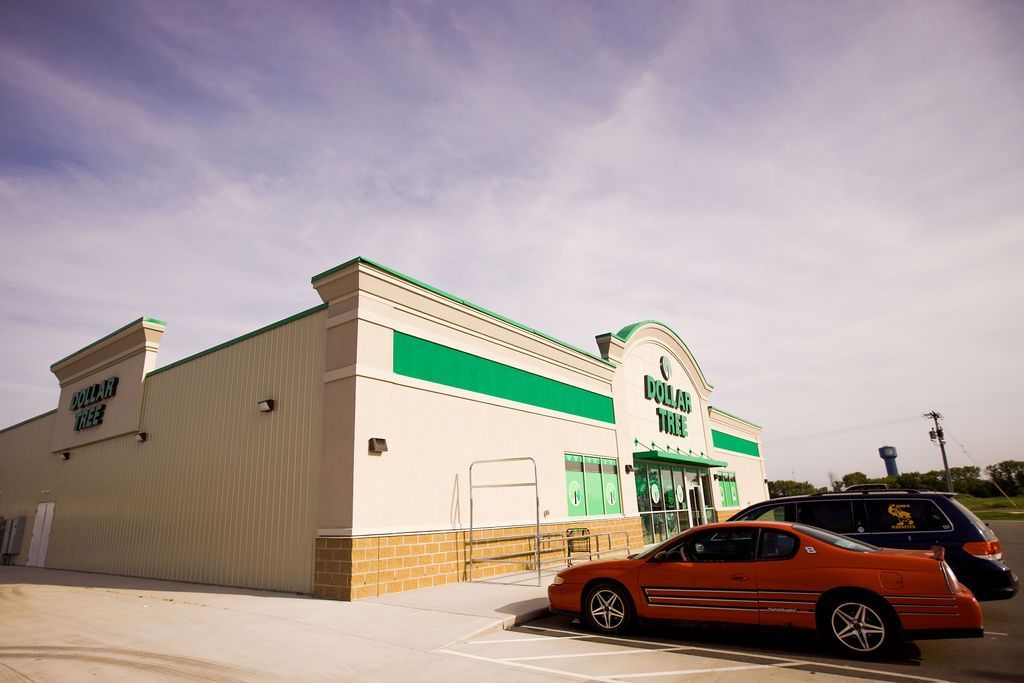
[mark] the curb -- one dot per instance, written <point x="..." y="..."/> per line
<point x="504" y="624"/>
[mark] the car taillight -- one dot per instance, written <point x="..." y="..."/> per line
<point x="951" y="581"/>
<point x="990" y="550"/>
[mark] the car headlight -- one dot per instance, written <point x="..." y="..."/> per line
<point x="558" y="581"/>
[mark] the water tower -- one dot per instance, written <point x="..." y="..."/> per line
<point x="888" y="454"/>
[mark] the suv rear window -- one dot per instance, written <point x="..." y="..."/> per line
<point x="888" y="516"/>
<point x="834" y="515"/>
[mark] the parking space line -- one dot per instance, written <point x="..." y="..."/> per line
<point x="709" y="670"/>
<point x="530" y="667"/>
<point x="995" y="633"/>
<point x="654" y="642"/>
<point x="524" y="640"/>
<point x="777" y="661"/>
<point x="596" y="654"/>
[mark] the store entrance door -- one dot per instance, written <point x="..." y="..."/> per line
<point x="693" y="490"/>
<point x="671" y="498"/>
<point x="40" y="535"/>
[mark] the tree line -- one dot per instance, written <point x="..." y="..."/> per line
<point x="1009" y="475"/>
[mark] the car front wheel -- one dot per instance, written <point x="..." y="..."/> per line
<point x="859" y="626"/>
<point x="608" y="609"/>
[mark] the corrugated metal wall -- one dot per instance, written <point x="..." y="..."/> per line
<point x="220" y="492"/>
<point x="25" y="464"/>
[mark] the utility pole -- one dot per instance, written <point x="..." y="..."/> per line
<point x="937" y="435"/>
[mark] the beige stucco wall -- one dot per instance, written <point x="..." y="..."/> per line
<point x="642" y="358"/>
<point x="638" y="419"/>
<point x="435" y="432"/>
<point x="749" y="479"/>
<point x="128" y="355"/>
<point x="750" y="472"/>
<point x="219" y="493"/>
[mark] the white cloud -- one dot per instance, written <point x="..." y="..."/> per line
<point x="824" y="203"/>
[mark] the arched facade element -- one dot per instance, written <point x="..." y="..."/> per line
<point x="682" y="453"/>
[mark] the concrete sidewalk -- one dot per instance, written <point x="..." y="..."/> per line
<point x="503" y="601"/>
<point x="64" y="625"/>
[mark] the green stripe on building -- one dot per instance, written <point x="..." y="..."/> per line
<point x="728" y="442"/>
<point x="421" y="359"/>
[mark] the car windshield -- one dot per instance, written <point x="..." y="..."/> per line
<point x="835" y="539"/>
<point x="648" y="551"/>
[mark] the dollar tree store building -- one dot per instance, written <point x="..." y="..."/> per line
<point x="330" y="453"/>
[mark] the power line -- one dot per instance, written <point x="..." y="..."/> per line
<point x="841" y="432"/>
<point x="994" y="482"/>
<point x="963" y="448"/>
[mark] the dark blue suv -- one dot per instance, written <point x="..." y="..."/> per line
<point x="904" y="518"/>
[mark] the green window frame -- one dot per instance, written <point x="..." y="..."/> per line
<point x="592" y="486"/>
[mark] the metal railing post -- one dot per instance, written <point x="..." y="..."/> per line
<point x="536" y="498"/>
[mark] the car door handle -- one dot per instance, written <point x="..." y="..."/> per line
<point x="739" y="577"/>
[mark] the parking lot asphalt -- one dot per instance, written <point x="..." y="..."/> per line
<point x="559" y="646"/>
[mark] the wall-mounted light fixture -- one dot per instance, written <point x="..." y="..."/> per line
<point x="629" y="469"/>
<point x="141" y="436"/>
<point x="378" y="445"/>
<point x="266" y="405"/>
<point x="65" y="456"/>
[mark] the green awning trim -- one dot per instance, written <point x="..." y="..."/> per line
<point x="678" y="458"/>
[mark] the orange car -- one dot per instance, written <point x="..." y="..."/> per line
<point x="862" y="598"/>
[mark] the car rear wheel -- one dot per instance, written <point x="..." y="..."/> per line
<point x="608" y="608"/>
<point x="859" y="626"/>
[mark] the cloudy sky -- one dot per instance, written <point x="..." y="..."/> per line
<point x="825" y="200"/>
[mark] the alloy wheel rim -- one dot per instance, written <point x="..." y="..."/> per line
<point x="607" y="609"/>
<point x="858" y="627"/>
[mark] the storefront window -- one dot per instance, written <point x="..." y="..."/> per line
<point x="610" y="487"/>
<point x="643" y="494"/>
<point x="727" y="489"/>
<point x="709" y="502"/>
<point x="670" y="499"/>
<point x="654" y="486"/>
<point x="592" y="486"/>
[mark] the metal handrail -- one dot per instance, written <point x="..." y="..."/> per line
<point x="552" y="537"/>
<point x="536" y="496"/>
<point x="597" y="551"/>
